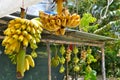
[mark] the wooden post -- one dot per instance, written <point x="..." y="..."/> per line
<point x="49" y="60"/>
<point x="103" y="63"/>
<point x="67" y="72"/>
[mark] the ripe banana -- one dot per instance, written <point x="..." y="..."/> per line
<point x="25" y="42"/>
<point x="20" y="33"/>
<point x="26" y="65"/>
<point x="30" y="60"/>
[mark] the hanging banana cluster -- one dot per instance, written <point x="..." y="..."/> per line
<point x="62" y="59"/>
<point x="58" y="23"/>
<point x="76" y="59"/>
<point x="28" y="62"/>
<point x="55" y="61"/>
<point x="21" y="32"/>
<point x="24" y="62"/>
<point x="83" y="55"/>
<point x="68" y="54"/>
<point x="89" y="59"/>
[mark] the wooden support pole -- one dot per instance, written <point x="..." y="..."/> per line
<point x="103" y="63"/>
<point x="67" y="72"/>
<point x="49" y="60"/>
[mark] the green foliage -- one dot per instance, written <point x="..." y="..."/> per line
<point x="112" y="29"/>
<point x="108" y="25"/>
<point x="91" y="75"/>
<point x="87" y="23"/>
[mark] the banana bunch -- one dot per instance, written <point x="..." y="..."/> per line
<point x="55" y="61"/>
<point x="28" y="62"/>
<point x="68" y="55"/>
<point x="62" y="69"/>
<point x="58" y="23"/>
<point x="83" y="55"/>
<point x="76" y="67"/>
<point x="13" y="58"/>
<point x="21" y="32"/>
<point x="23" y="63"/>
<point x="62" y="59"/>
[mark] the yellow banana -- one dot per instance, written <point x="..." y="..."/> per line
<point x="64" y="22"/>
<point x="73" y="15"/>
<point x="36" y="23"/>
<point x="37" y="39"/>
<point x="25" y="42"/>
<point x="52" y="22"/>
<point x="5" y="40"/>
<point x="24" y="33"/>
<point x="15" y="36"/>
<point x="12" y="30"/>
<point x="7" y="31"/>
<point x="18" y="25"/>
<point x="26" y="65"/>
<point x="27" y="22"/>
<point x="33" y="46"/>
<point x="7" y="51"/>
<point x="62" y="31"/>
<point x="58" y="22"/>
<point x="32" y="30"/>
<point x="57" y="32"/>
<point x="20" y="38"/>
<point x="55" y="27"/>
<point x="18" y="46"/>
<point x="70" y="23"/>
<point x="17" y="20"/>
<point x="33" y="40"/>
<point x="10" y="40"/>
<point x="28" y="28"/>
<point x="31" y="23"/>
<point x="75" y="23"/>
<point x="40" y="28"/>
<point x="30" y="60"/>
<point x="18" y="31"/>
<point x="14" y="46"/>
<point x="76" y="17"/>
<point x="12" y="22"/>
<point x="22" y="21"/>
<point x="23" y="26"/>
<point x="28" y="36"/>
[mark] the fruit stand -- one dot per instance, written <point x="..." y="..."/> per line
<point x="60" y="35"/>
<point x="74" y="37"/>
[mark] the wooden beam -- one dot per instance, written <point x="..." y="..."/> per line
<point x="70" y="42"/>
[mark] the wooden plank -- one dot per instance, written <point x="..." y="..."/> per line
<point x="10" y="6"/>
<point x="69" y="42"/>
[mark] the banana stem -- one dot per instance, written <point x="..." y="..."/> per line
<point x="22" y="14"/>
<point x="59" y="6"/>
<point x="20" y="63"/>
